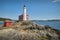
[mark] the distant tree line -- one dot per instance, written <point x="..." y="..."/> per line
<point x="3" y="19"/>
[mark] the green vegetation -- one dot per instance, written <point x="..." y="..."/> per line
<point x="3" y="19"/>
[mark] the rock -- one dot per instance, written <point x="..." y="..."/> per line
<point x="28" y="31"/>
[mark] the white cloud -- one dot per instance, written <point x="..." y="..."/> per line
<point x="56" y="1"/>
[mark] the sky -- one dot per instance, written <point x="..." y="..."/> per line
<point x="36" y="9"/>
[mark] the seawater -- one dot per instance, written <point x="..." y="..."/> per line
<point x="1" y="23"/>
<point x="53" y="24"/>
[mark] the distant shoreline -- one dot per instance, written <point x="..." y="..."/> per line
<point x="40" y="20"/>
<point x="45" y="20"/>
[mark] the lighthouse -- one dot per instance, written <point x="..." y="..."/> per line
<point x="24" y="13"/>
<point x="24" y="16"/>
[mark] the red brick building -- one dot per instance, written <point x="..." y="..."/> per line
<point x="21" y="17"/>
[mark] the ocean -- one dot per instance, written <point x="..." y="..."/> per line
<point x="53" y="24"/>
<point x="1" y="23"/>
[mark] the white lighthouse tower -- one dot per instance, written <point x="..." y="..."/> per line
<point x="24" y="13"/>
<point x="24" y="16"/>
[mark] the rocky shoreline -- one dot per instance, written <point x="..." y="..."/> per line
<point x="27" y="30"/>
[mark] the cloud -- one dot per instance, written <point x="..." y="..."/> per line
<point x="56" y="1"/>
